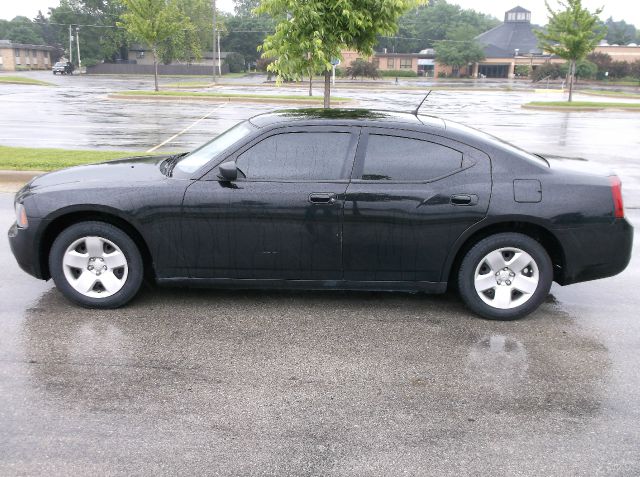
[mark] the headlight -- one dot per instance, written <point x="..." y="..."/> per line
<point x="21" y="216"/>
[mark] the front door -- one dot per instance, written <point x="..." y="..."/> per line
<point x="411" y="196"/>
<point x="283" y="220"/>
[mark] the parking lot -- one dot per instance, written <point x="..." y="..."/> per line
<point x="314" y="383"/>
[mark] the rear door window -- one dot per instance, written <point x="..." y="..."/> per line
<point x="395" y="158"/>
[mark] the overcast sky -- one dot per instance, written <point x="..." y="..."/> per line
<point x="628" y="10"/>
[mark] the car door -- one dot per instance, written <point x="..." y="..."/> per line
<point x="283" y="219"/>
<point x="411" y="195"/>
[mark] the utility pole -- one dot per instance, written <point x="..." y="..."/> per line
<point x="70" y="46"/>
<point x="78" y="45"/>
<point x="215" y="35"/>
<point x="219" y="58"/>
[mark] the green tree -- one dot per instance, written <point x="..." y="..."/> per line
<point x="619" y="33"/>
<point x="459" y="49"/>
<point x="187" y="43"/>
<point x="310" y="33"/>
<point x="245" y="8"/>
<point x="243" y="34"/>
<point x="152" y="22"/>
<point x="431" y="23"/>
<point x="571" y="34"/>
<point x="21" y="30"/>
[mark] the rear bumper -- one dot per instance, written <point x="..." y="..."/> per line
<point x="593" y="252"/>
<point x="24" y="245"/>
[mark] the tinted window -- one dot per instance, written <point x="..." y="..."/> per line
<point x="301" y="156"/>
<point x="403" y="159"/>
<point x="199" y="157"/>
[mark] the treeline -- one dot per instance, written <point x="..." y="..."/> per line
<point x="446" y="27"/>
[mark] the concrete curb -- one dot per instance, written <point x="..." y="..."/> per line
<point x="226" y="99"/>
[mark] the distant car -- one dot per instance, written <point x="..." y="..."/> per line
<point x="328" y="199"/>
<point x="64" y="68"/>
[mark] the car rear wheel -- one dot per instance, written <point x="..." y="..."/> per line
<point x="96" y="265"/>
<point x="505" y="276"/>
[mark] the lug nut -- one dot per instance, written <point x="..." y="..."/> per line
<point x="512" y="274"/>
<point x="90" y="267"/>
<point x="508" y="282"/>
<point x="104" y="267"/>
<point x="98" y="272"/>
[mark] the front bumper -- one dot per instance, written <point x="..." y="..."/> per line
<point x="594" y="252"/>
<point x="25" y="247"/>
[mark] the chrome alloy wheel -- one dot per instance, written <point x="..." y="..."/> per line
<point x="95" y="267"/>
<point x="506" y="278"/>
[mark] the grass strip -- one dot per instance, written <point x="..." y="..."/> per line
<point x="577" y="105"/>
<point x="10" y="79"/>
<point x="612" y="94"/>
<point x="45" y="159"/>
<point x="199" y="94"/>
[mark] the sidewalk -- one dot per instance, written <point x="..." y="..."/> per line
<point x="12" y="181"/>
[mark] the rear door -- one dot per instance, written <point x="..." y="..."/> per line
<point x="411" y="195"/>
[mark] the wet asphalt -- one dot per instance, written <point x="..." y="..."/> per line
<point x="281" y="383"/>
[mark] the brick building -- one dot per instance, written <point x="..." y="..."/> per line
<point x="19" y="56"/>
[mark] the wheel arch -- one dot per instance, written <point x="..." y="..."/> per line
<point x="535" y="230"/>
<point x="69" y="217"/>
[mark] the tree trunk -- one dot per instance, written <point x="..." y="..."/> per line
<point x="155" y="69"/>
<point x="310" y="85"/>
<point x="572" y="68"/>
<point x="327" y="89"/>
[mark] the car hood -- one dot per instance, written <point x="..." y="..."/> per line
<point x="133" y="169"/>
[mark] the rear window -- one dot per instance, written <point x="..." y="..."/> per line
<point x="394" y="158"/>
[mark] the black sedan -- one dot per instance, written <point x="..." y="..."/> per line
<point x="328" y="199"/>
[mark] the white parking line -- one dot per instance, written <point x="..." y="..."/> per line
<point x="186" y="129"/>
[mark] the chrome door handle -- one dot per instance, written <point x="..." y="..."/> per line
<point x="322" y="198"/>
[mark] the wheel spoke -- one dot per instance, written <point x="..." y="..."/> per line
<point x="525" y="285"/>
<point x="95" y="246"/>
<point x="115" y="260"/>
<point x="85" y="282"/>
<point x="75" y="260"/>
<point x="502" y="297"/>
<point x="495" y="260"/>
<point x="485" y="282"/>
<point x="520" y="261"/>
<point x="110" y="282"/>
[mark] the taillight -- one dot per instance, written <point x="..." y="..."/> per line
<point x="616" y="191"/>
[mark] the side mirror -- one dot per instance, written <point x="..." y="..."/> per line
<point x="228" y="171"/>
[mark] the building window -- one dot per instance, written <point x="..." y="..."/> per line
<point x="391" y="63"/>
<point x="405" y="63"/>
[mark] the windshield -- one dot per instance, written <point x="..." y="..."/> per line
<point x="199" y="157"/>
<point x="59" y="64"/>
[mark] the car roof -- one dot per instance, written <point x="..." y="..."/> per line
<point x="358" y="117"/>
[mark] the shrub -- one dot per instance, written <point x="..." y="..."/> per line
<point x="548" y="69"/>
<point x="399" y="73"/>
<point x="235" y="62"/>
<point x="363" y="69"/>
<point x="523" y="70"/>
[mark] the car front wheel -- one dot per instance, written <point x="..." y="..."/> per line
<point x="96" y="265"/>
<point x="505" y="276"/>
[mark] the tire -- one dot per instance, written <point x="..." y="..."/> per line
<point x="505" y="276"/>
<point x="96" y="265"/>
